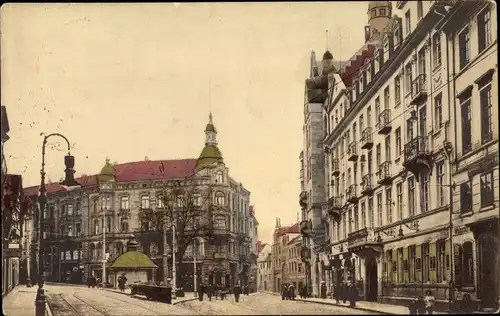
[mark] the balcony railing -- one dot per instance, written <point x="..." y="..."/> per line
<point x="335" y="167"/>
<point x="416" y="147"/>
<point x="419" y="89"/>
<point x="352" y="151"/>
<point x="384" y="122"/>
<point x="384" y="174"/>
<point x="352" y="194"/>
<point x="367" y="138"/>
<point x="367" y="185"/>
<point x="334" y="206"/>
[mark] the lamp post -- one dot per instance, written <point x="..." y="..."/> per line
<point x="174" y="268"/>
<point x="448" y="150"/>
<point x="69" y="180"/>
<point x="194" y="272"/>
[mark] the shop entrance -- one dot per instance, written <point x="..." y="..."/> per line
<point x="488" y="273"/>
<point x="371" y="280"/>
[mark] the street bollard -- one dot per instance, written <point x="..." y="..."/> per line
<point x="40" y="308"/>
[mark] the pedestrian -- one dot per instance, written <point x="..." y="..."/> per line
<point x="168" y="292"/>
<point x="429" y="301"/>
<point x="343" y="291"/>
<point x="122" y="280"/>
<point x="210" y="290"/>
<point x="291" y="291"/>
<point x="353" y="293"/>
<point x="283" y="291"/>
<point x="201" y="291"/>
<point x="237" y="292"/>
<point x="323" y="289"/>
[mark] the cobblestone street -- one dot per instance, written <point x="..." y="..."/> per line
<point x="265" y="304"/>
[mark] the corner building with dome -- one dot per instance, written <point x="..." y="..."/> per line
<point x="115" y="201"/>
<point x="399" y="170"/>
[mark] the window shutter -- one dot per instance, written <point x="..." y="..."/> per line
<point x="394" y="268"/>
<point x="405" y="265"/>
<point x="418" y="263"/>
<point x="447" y="260"/>
<point x="432" y="263"/>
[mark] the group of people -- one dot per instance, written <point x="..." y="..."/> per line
<point x="345" y="292"/>
<point x="422" y="304"/>
<point x="221" y="291"/>
<point x="288" y="291"/>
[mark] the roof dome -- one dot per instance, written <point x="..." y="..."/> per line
<point x="133" y="259"/>
<point x="327" y="55"/>
<point x="210" y="128"/>
<point x="209" y="155"/>
<point x="107" y="172"/>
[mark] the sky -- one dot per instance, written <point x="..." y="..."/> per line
<point x="126" y="81"/>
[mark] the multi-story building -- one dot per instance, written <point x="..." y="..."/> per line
<point x="470" y="42"/>
<point x="295" y="266"/>
<point x="253" y="233"/>
<point x="397" y="119"/>
<point x="13" y="214"/>
<point x="5" y="137"/>
<point x="120" y="200"/>
<point x="265" y="269"/>
<point x="281" y="237"/>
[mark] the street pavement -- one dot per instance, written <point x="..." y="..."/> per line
<point x="266" y="304"/>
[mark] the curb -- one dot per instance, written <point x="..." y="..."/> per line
<point x="64" y="284"/>
<point x="173" y="302"/>
<point x="48" y="310"/>
<point x="364" y="309"/>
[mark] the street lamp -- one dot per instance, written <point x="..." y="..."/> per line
<point x="69" y="180"/>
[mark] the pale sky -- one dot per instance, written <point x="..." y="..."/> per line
<point x="126" y="81"/>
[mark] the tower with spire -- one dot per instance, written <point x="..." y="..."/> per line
<point x="210" y="155"/>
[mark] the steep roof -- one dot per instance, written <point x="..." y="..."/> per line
<point x="294" y="229"/>
<point x="130" y="172"/>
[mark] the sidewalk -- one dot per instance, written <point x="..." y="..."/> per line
<point x="189" y="296"/>
<point x="365" y="306"/>
<point x="21" y="301"/>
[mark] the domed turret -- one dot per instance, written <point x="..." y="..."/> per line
<point x="327" y="55"/>
<point x="210" y="155"/>
<point x="107" y="172"/>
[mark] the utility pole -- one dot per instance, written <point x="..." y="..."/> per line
<point x="103" y="245"/>
<point x="165" y="250"/>
<point x="174" y="268"/>
<point x="194" y="272"/>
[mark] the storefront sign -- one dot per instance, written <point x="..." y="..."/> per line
<point x="11" y="252"/>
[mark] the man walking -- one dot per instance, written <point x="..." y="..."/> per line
<point x="237" y="292"/>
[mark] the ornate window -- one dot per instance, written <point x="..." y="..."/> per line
<point x="220" y="222"/>
<point x="219" y="177"/>
<point x="220" y="199"/>
<point x="145" y="201"/>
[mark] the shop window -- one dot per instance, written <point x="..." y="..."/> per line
<point x="468" y="264"/>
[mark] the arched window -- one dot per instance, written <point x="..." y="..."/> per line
<point x="220" y="199"/>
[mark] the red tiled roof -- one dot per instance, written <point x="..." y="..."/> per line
<point x="294" y="229"/>
<point x="132" y="171"/>
<point x="355" y="63"/>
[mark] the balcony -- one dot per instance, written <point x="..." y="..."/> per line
<point x="367" y="185"/>
<point x="384" y="174"/>
<point x="419" y="90"/>
<point x="384" y="122"/>
<point x="352" y="151"/>
<point x="335" y="167"/>
<point x="334" y="207"/>
<point x="367" y="138"/>
<point x="352" y="194"/>
<point x="303" y="199"/>
<point x="363" y="241"/>
<point x="305" y="229"/>
<point x="417" y="155"/>
<point x="305" y="254"/>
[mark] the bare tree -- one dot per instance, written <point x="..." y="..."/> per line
<point x="188" y="204"/>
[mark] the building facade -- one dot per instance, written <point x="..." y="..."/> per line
<point x="403" y="167"/>
<point x="106" y="208"/>
<point x="281" y="237"/>
<point x="253" y="233"/>
<point x="265" y="269"/>
<point x="295" y="266"/>
<point x="470" y="34"/>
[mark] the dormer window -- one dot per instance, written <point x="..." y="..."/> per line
<point x="361" y="82"/>
<point x="374" y="13"/>
<point x="354" y="91"/>
<point x="376" y="62"/>
<point x="397" y="34"/>
<point x="368" y="74"/>
<point x="382" y="12"/>
<point x="386" y="48"/>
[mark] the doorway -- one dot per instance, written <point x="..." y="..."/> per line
<point x="488" y="274"/>
<point x="371" y="280"/>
